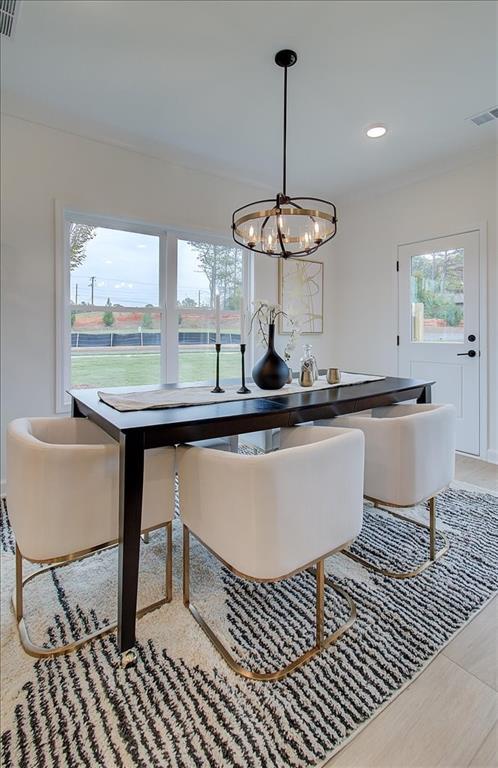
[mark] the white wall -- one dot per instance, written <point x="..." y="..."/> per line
<point x="364" y="287"/>
<point x="41" y="165"/>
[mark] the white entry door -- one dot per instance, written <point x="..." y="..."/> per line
<point x="439" y="324"/>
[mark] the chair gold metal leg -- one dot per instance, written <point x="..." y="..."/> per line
<point x="320" y="583"/>
<point x="19" y="595"/>
<point x="169" y="561"/>
<point x="186" y="566"/>
<point x="432" y="528"/>
<point x="39" y="651"/>
<point x="434" y="554"/>
<point x="321" y="641"/>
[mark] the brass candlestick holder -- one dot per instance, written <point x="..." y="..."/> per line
<point x="217" y="388"/>
<point x="243" y="390"/>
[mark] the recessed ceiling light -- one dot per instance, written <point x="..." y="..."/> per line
<point x="376" y="131"/>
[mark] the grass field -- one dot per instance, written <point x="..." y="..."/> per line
<point x="135" y="368"/>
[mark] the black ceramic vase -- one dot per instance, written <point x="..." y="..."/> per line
<point x="270" y="372"/>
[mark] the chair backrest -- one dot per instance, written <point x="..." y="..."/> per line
<point x="424" y="439"/>
<point x="65" y="431"/>
<point x="409" y="450"/>
<point x="63" y="486"/>
<point x="269" y="515"/>
<point x="62" y="477"/>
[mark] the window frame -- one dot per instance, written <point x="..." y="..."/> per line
<point x="168" y="288"/>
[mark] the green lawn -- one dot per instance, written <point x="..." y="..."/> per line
<point x="135" y="368"/>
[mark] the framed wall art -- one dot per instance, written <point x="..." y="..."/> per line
<point x="300" y="294"/>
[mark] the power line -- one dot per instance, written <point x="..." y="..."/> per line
<point x="117" y="279"/>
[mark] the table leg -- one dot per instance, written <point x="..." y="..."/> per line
<point x="426" y="395"/>
<point x="75" y="411"/>
<point x="131" y="477"/>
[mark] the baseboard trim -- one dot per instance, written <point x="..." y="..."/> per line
<point x="492" y="456"/>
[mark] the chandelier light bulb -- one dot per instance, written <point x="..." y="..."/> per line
<point x="251" y="241"/>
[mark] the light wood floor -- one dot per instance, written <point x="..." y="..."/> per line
<point x="448" y="716"/>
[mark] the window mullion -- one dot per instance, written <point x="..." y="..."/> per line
<point x="163" y="284"/>
<point x="171" y="313"/>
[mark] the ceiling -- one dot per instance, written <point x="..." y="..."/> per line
<point x="195" y="82"/>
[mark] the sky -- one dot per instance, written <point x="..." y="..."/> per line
<point x="126" y="270"/>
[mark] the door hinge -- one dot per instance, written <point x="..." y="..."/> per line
<point x="397" y="266"/>
<point x="397" y="341"/>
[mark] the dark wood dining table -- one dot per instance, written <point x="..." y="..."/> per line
<point x="137" y="431"/>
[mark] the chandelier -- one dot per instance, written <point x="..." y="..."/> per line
<point x="285" y="227"/>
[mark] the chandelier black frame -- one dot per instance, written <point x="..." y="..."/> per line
<point x="323" y="223"/>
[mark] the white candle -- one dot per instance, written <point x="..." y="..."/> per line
<point x="242" y="321"/>
<point x="218" y="319"/>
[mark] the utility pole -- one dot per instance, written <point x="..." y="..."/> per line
<point x="91" y="285"/>
<point x="76" y="294"/>
<point x="199" y="299"/>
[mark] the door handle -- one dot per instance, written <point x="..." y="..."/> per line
<point x="470" y="353"/>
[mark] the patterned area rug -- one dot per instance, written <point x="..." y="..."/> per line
<point x="181" y="706"/>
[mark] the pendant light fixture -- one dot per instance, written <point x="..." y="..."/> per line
<point x="285" y="227"/>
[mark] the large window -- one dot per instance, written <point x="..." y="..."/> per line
<point x="137" y="305"/>
<point x="206" y="269"/>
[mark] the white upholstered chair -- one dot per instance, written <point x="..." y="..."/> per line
<point x="270" y="516"/>
<point x="62" y="494"/>
<point x="409" y="459"/>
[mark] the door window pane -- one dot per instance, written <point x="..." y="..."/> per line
<point x="437" y="296"/>
<point x="114" y="307"/>
<point x="205" y="269"/>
